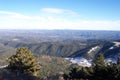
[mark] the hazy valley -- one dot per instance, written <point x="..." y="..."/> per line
<point x="60" y="49"/>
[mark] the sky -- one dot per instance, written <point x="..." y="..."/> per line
<point x="60" y="14"/>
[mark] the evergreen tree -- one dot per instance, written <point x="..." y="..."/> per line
<point x="99" y="68"/>
<point x="99" y="61"/>
<point x="74" y="73"/>
<point x="118" y="69"/>
<point x="24" y="62"/>
<point x="79" y="73"/>
<point x="118" y="61"/>
<point x="100" y="71"/>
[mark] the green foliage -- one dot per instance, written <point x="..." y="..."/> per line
<point x="24" y="62"/>
<point x="99" y="68"/>
<point x="51" y="66"/>
<point x="79" y="73"/>
<point x="99" y="61"/>
<point x="100" y="71"/>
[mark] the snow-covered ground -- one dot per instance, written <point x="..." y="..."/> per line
<point x="87" y="63"/>
<point x="108" y="60"/>
<point x="80" y="61"/>
<point x="93" y="49"/>
<point x="3" y="66"/>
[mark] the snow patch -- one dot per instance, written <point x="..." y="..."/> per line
<point x="111" y="47"/>
<point x="93" y="49"/>
<point x="80" y="61"/>
<point x="109" y="60"/>
<point x="3" y="66"/>
<point x="15" y="39"/>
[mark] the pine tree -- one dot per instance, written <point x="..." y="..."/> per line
<point x="99" y="68"/>
<point x="24" y="62"/>
<point x="118" y="68"/>
<point x="99" y="61"/>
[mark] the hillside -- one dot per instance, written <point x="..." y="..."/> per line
<point x="57" y="50"/>
<point x="61" y="43"/>
<point x="51" y="68"/>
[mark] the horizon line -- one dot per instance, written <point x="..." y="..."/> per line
<point x="63" y="29"/>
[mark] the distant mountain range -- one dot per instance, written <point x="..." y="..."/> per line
<point x="62" y="43"/>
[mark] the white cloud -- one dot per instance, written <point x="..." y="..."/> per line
<point x="14" y="15"/>
<point x="58" y="11"/>
<point x="8" y="13"/>
<point x="20" y="16"/>
<point x="20" y="21"/>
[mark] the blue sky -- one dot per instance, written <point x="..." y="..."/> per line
<point x="60" y="14"/>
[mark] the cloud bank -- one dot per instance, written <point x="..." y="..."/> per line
<point x="13" y="20"/>
<point x="58" y="11"/>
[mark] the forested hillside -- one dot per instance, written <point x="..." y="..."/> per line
<point x="61" y="43"/>
<point x="52" y="47"/>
